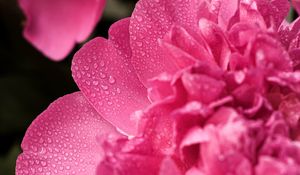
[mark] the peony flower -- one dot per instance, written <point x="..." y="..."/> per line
<point x="54" y="26"/>
<point x="195" y="88"/>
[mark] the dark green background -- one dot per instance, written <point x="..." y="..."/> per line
<point x="29" y="82"/>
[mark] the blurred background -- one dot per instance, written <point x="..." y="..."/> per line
<point x="29" y="82"/>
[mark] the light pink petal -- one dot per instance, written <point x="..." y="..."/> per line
<point x="195" y="171"/>
<point x="168" y="167"/>
<point x="103" y="72"/>
<point x="62" y="140"/>
<point x="54" y="26"/>
<point x="151" y="20"/>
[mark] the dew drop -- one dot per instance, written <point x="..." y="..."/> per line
<point x="102" y="63"/>
<point x="111" y="80"/>
<point x="104" y="87"/>
<point x="95" y="83"/>
<point x="102" y="75"/>
<point x="139" y="18"/>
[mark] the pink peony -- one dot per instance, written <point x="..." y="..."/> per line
<point x="54" y="26"/>
<point x="182" y="87"/>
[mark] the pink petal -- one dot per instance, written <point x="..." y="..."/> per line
<point x="168" y="167"/>
<point x="274" y="12"/>
<point x="160" y="88"/>
<point x="296" y="5"/>
<point x="269" y="166"/>
<point x="217" y="41"/>
<point x="288" y="32"/>
<point x="151" y="20"/>
<point x="62" y="140"/>
<point x="220" y="154"/>
<point x="134" y="157"/>
<point x="268" y="52"/>
<point x="54" y="26"/>
<point x="290" y="107"/>
<point x="227" y="10"/>
<point x="295" y="57"/>
<point x="103" y="72"/>
<point x="202" y="87"/>
<point x="184" y="48"/>
<point x="130" y="164"/>
<point x="289" y="79"/>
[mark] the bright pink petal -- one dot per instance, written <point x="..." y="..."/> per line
<point x="62" y="140"/>
<point x="103" y="72"/>
<point x="151" y="20"/>
<point x="54" y="26"/>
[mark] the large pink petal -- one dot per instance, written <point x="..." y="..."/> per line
<point x="103" y="72"/>
<point x="62" y="140"/>
<point x="54" y="26"/>
<point x="151" y="20"/>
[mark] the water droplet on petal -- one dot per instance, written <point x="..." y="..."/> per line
<point x="95" y="83"/>
<point x="111" y="80"/>
<point x="104" y="87"/>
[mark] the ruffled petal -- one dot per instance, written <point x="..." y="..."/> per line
<point x="62" y="140"/>
<point x="151" y="20"/>
<point x="125" y="156"/>
<point x="103" y="72"/>
<point x="54" y="26"/>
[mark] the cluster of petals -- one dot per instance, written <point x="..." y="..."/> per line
<point x="182" y="87"/>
